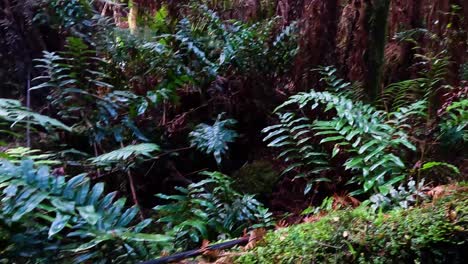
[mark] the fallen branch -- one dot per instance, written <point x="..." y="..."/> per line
<point x="197" y="252"/>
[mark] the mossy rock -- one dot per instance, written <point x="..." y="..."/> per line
<point x="432" y="233"/>
<point x="258" y="177"/>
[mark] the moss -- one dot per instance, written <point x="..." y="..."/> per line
<point x="258" y="177"/>
<point x="432" y="233"/>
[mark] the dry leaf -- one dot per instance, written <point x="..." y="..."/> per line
<point x="255" y="236"/>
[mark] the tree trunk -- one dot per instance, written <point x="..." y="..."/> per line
<point x="377" y="14"/>
<point x="132" y="16"/>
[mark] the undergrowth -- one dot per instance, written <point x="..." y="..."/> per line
<point x="431" y="233"/>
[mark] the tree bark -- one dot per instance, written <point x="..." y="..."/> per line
<point x="377" y="16"/>
<point x="132" y="17"/>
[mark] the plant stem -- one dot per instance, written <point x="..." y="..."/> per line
<point x="133" y="190"/>
<point x="134" y="194"/>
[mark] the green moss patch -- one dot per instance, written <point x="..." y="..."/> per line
<point x="432" y="233"/>
<point x="258" y="177"/>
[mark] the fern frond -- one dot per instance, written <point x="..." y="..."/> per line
<point x="123" y="154"/>
<point x="15" y="155"/>
<point x="294" y="137"/>
<point x="364" y="133"/>
<point x="426" y="87"/>
<point x="399" y="94"/>
<point x="339" y="86"/>
<point x="75" y="212"/>
<point x="80" y="90"/>
<point x="455" y="120"/>
<point x="214" y="139"/>
<point x="12" y="111"/>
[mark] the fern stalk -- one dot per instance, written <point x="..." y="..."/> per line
<point x="133" y="190"/>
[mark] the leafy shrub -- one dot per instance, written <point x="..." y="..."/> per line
<point x="434" y="233"/>
<point x="58" y="219"/>
<point x="198" y="49"/>
<point x="368" y="136"/>
<point x="80" y="89"/>
<point x="454" y="124"/>
<point x="214" y="139"/>
<point x="210" y="209"/>
<point x="70" y="13"/>
<point x="401" y="197"/>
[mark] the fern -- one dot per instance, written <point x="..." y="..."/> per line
<point x="15" y="155"/>
<point x="71" y="214"/>
<point x="214" y="139"/>
<point x="294" y="136"/>
<point x="210" y="208"/>
<point x="192" y="45"/>
<point x="339" y="86"/>
<point x="123" y="154"/>
<point x="454" y="124"/>
<point x="364" y="133"/>
<point x="426" y="87"/>
<point x="12" y="111"/>
<point x="80" y="90"/>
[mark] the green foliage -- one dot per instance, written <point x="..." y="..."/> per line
<point x="12" y="111"/>
<point x="433" y="164"/>
<point x="68" y="13"/>
<point x="200" y="47"/>
<point x="79" y="89"/>
<point x="61" y="219"/>
<point x="426" y="87"/>
<point x="363" y="133"/>
<point x="15" y="155"/>
<point x="401" y="197"/>
<point x="326" y="206"/>
<point x="214" y="139"/>
<point x="434" y="232"/>
<point x="210" y="209"/>
<point x="454" y="124"/>
<point x="295" y="136"/>
<point x="125" y="153"/>
<point x="340" y="86"/>
<point x="241" y="47"/>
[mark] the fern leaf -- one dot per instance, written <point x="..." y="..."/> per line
<point x="12" y="111"/>
<point x="123" y="154"/>
<point x="214" y="139"/>
<point x="71" y="211"/>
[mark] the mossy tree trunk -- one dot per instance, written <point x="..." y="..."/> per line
<point x="377" y="15"/>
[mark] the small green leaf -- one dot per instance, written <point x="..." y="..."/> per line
<point x="89" y="214"/>
<point x="59" y="223"/>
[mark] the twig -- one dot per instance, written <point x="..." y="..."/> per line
<point x="150" y="168"/>
<point x="28" y="105"/>
<point x="171" y="151"/>
<point x="193" y="172"/>
<point x="96" y="154"/>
